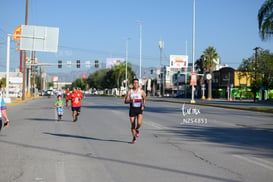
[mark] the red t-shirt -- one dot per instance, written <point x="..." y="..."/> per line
<point x="67" y="95"/>
<point x="76" y="99"/>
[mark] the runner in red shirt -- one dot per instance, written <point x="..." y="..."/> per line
<point x="76" y="103"/>
<point x="67" y="96"/>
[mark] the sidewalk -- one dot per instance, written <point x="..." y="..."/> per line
<point x="16" y="101"/>
<point x="260" y="106"/>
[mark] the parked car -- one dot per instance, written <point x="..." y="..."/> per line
<point x="179" y="94"/>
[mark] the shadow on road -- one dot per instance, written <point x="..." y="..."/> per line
<point x="41" y="119"/>
<point x="239" y="137"/>
<point x="126" y="108"/>
<point x="84" y="137"/>
<point x="124" y="162"/>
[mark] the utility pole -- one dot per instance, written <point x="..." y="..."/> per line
<point x="126" y="75"/>
<point x="24" y="69"/>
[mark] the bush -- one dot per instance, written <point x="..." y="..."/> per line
<point x="248" y="95"/>
<point x="270" y="95"/>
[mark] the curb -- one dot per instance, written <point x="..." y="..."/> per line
<point x="19" y="101"/>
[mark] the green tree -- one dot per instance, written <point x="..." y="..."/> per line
<point x="210" y="56"/>
<point x="106" y="78"/>
<point x="79" y="83"/>
<point x="97" y="79"/>
<point x="3" y="82"/>
<point x="265" y="20"/>
<point x="200" y="69"/>
<point x="259" y="70"/>
<point x="50" y="84"/>
<point x="38" y="82"/>
<point x="120" y="73"/>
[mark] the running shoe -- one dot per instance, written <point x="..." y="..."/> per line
<point x="6" y="124"/>
<point x="137" y="133"/>
<point x="134" y="140"/>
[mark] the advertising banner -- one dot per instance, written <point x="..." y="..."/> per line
<point x="178" y="61"/>
<point x="110" y="62"/>
<point x="193" y="78"/>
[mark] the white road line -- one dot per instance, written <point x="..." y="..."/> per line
<point x="155" y="125"/>
<point x="60" y="174"/>
<point x="252" y="160"/>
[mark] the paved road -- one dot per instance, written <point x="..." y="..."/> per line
<point x="199" y="144"/>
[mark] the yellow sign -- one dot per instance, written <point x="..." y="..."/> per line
<point x="17" y="31"/>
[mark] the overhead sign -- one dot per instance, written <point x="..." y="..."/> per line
<point x="17" y="31"/>
<point x="110" y="62"/>
<point x="37" y="38"/>
<point x="178" y="61"/>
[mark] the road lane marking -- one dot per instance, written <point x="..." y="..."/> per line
<point x="253" y="161"/>
<point x="155" y="125"/>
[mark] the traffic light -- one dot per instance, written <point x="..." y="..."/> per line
<point x="152" y="71"/>
<point x="96" y="63"/>
<point x="78" y="63"/>
<point x="60" y="64"/>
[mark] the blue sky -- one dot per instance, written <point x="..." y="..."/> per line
<point x="97" y="29"/>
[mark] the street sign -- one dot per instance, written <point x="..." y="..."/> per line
<point x="37" y="38"/>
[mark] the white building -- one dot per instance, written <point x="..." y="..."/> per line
<point x="15" y="83"/>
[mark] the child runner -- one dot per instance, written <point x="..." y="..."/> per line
<point x="59" y="104"/>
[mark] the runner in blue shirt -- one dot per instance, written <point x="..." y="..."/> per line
<point x="3" y="113"/>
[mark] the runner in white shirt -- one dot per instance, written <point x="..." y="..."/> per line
<point x="136" y="98"/>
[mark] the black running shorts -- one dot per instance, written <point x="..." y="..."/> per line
<point x="78" y="109"/>
<point x="134" y="111"/>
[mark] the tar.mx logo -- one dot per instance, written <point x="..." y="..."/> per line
<point x="191" y="115"/>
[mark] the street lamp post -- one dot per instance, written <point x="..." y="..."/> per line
<point x="193" y="50"/>
<point x="140" y="45"/>
<point x="161" y="46"/>
<point x="126" y="72"/>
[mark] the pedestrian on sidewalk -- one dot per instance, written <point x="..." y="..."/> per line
<point x="3" y="113"/>
<point x="59" y="104"/>
<point x="136" y="97"/>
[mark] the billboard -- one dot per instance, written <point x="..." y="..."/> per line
<point x="110" y="62"/>
<point x="55" y="78"/>
<point x="178" y="61"/>
<point x="38" y="38"/>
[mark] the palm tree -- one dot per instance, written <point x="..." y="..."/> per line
<point x="265" y="19"/>
<point x="119" y="73"/>
<point x="200" y="68"/>
<point x="210" y="56"/>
